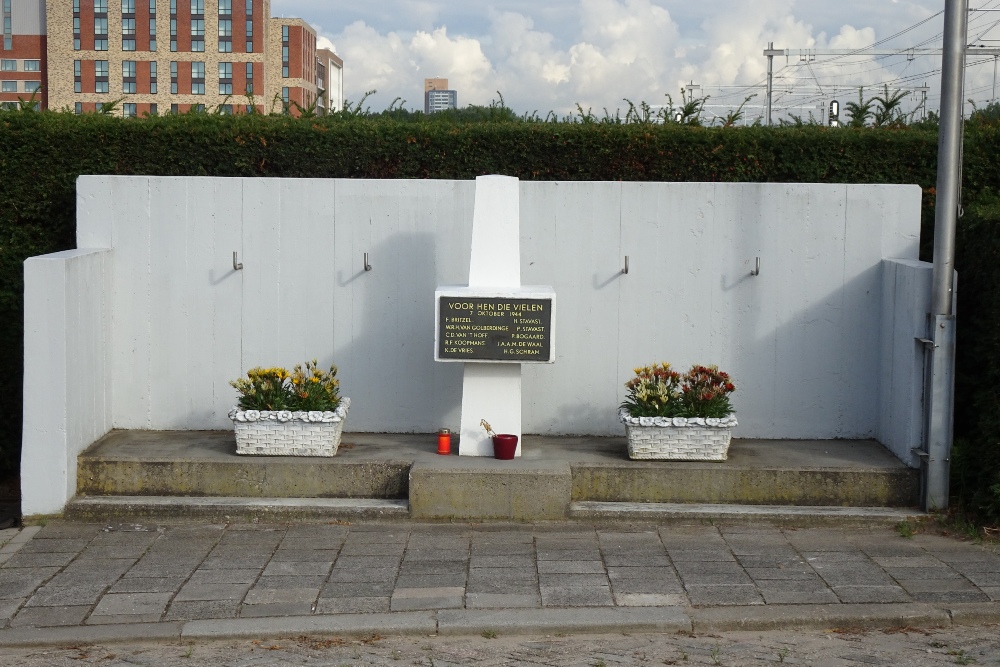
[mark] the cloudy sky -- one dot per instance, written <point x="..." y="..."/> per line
<point x="554" y="54"/>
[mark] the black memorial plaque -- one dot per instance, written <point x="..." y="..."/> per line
<point x="494" y="329"/>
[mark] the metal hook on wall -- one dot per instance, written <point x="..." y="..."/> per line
<point x="237" y="265"/>
<point x="756" y="271"/>
<point x="625" y="270"/>
<point x="368" y="267"/>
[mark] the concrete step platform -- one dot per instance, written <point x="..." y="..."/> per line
<point x="799" y="515"/>
<point x="103" y="508"/>
<point x="552" y="473"/>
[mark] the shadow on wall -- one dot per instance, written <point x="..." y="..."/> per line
<point x="393" y="381"/>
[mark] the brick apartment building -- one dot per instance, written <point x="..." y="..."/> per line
<point x="159" y="56"/>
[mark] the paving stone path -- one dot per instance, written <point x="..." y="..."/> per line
<point x="68" y="574"/>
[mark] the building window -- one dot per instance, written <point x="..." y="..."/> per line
<point x="76" y="6"/>
<point x="284" y="52"/>
<point x="173" y="78"/>
<point x="76" y="33"/>
<point x="101" y="76"/>
<point x="249" y="36"/>
<point x="78" y="108"/>
<point x="128" y="34"/>
<point x="130" y="110"/>
<point x="152" y="6"/>
<point x="101" y="33"/>
<point x="32" y="65"/>
<point x="173" y="25"/>
<point x="225" y="78"/>
<point x="100" y="25"/>
<point x="8" y="65"/>
<point x="152" y="34"/>
<point x="197" y="78"/>
<point x="198" y="108"/>
<point x="225" y="7"/>
<point x="249" y="7"/>
<point x="32" y="86"/>
<point x="249" y="89"/>
<point x="128" y="77"/>
<point x="152" y="77"/>
<point x="77" y="76"/>
<point x="226" y="109"/>
<point x="128" y="6"/>
<point x="8" y="86"/>
<point x="284" y="95"/>
<point x="152" y="110"/>
<point x="197" y="35"/>
<point x="8" y="33"/>
<point x="197" y="6"/>
<point x="225" y="36"/>
<point x="174" y="108"/>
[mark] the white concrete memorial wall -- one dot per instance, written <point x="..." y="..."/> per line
<point x="820" y="344"/>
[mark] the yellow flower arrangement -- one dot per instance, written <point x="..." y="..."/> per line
<point x="278" y="389"/>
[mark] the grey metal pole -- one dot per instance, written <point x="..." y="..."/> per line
<point x="770" y="53"/>
<point x="942" y="316"/>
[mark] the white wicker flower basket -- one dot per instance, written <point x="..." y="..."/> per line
<point x="284" y="433"/>
<point x="677" y="438"/>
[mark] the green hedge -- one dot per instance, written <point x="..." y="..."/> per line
<point x="41" y="154"/>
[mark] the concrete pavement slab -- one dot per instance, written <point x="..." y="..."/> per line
<point x="361" y="574"/>
<point x="192" y="592"/>
<point x="277" y="609"/>
<point x="702" y="595"/>
<point x="502" y="600"/>
<point x="291" y="581"/>
<point x="650" y="599"/>
<point x="880" y="594"/>
<point x="353" y="605"/>
<point x="439" y="597"/>
<point x="576" y="595"/>
<point x="147" y="585"/>
<point x="799" y="597"/>
<point x="234" y="576"/>
<point x="50" y="616"/>
<point x="264" y="596"/>
<point x="359" y="589"/>
<point x="202" y="609"/>
<point x="127" y="604"/>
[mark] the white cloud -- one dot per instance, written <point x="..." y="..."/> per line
<point x="613" y="49"/>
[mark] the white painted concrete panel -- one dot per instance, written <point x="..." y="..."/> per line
<point x="132" y="306"/>
<point x="94" y="227"/>
<point x="417" y="234"/>
<point x="214" y="206"/>
<point x="806" y="308"/>
<point x="288" y="274"/>
<point x="66" y="403"/>
<point x="175" y="314"/>
<point x="262" y="285"/>
<point x="907" y="294"/>
<point x="570" y="240"/>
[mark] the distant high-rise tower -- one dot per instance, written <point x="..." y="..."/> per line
<point x="437" y="97"/>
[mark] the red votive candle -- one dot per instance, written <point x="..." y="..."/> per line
<point x="444" y="441"/>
